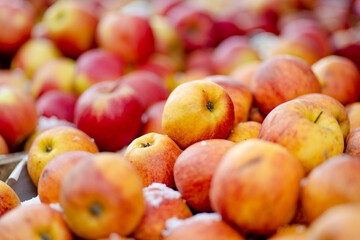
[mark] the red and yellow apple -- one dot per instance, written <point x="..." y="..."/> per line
<point x="291" y="232"/>
<point x="8" y="198"/>
<point x="353" y="113"/>
<point x="244" y="73"/>
<point x="4" y="149"/>
<point x="152" y="118"/>
<point x="352" y="143"/>
<point x="244" y="131"/>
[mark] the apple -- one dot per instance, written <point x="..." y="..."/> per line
<point x="54" y="172"/>
<point x="96" y="203"/>
<point x="33" y="54"/>
<point x="71" y="25"/>
<point x="194" y="169"/>
<point x="225" y="27"/>
<point x="244" y="73"/>
<point x="202" y="226"/>
<point x="56" y="74"/>
<point x="18" y="116"/>
<point x="200" y="60"/>
<point x="291" y="232"/>
<point x="17" y="19"/>
<point x="164" y="65"/>
<point x="36" y="221"/>
<point x="149" y="87"/>
<point x="152" y="118"/>
<point x="333" y="15"/>
<point x="195" y="27"/>
<point x="96" y="65"/>
<point x="114" y="236"/>
<point x="352" y="143"/>
<point x="244" y="131"/>
<point x="9" y="198"/>
<point x="196" y="111"/>
<point x="154" y="156"/>
<point x="232" y="53"/>
<point x="14" y="77"/>
<point x="255" y="114"/>
<point x="239" y="94"/>
<point x="353" y="111"/>
<point x="280" y="79"/>
<point x="334" y="182"/>
<point x="252" y="176"/>
<point x="4" y="149"/>
<point x="309" y="131"/>
<point x="334" y="107"/>
<point x="161" y="203"/>
<point x="55" y="141"/>
<point x="339" y="78"/>
<point x="128" y="36"/>
<point x="109" y="112"/>
<point x="57" y="103"/>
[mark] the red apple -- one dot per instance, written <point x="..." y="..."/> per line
<point x="353" y="113"/>
<point x="152" y="118"/>
<point x="110" y="113"/>
<point x="352" y="143"/>
<point x="4" y="149"/>
<point x="245" y="73"/>
<point x="9" y="198"/>
<point x="14" y="77"/>
<point x="200" y="60"/>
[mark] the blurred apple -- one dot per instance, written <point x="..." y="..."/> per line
<point x="4" y="149"/>
<point x="17" y="19"/>
<point x="71" y="25"/>
<point x="36" y="221"/>
<point x="291" y="232"/>
<point x="339" y="78"/>
<point x="196" y="111"/>
<point x="55" y="141"/>
<point x="152" y="118"/>
<point x="200" y="60"/>
<point x="55" y="74"/>
<point x="352" y="143"/>
<point x="18" y="116"/>
<point x="154" y="156"/>
<point x="109" y="112"/>
<point x="14" y="77"/>
<point x="57" y="103"/>
<point x="128" y="36"/>
<point x="33" y="54"/>
<point x="309" y="131"/>
<point x="96" y="65"/>
<point x="320" y="193"/>
<point x="280" y="79"/>
<point x="194" y="169"/>
<point x="245" y="73"/>
<point x="9" y="198"/>
<point x="54" y="172"/>
<point x="225" y="28"/>
<point x="202" y="226"/>
<point x="232" y="53"/>
<point x="149" y="87"/>
<point x="161" y="204"/>
<point x="163" y="65"/>
<point x="252" y="176"/>
<point x="353" y="113"/>
<point x="96" y="203"/>
<point x="337" y="223"/>
<point x="244" y="131"/>
<point x="256" y="115"/>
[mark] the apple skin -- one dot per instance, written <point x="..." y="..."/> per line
<point x="110" y="113"/>
<point x="194" y="169"/>
<point x="18" y="116"/>
<point x="334" y="107"/>
<point x="36" y="221"/>
<point x="239" y="94"/>
<point x="97" y="65"/>
<point x="353" y="113"/>
<point x="337" y="223"/>
<point x="275" y="181"/>
<point x="33" y="54"/>
<point x="352" y="143"/>
<point x="339" y="78"/>
<point x="232" y="53"/>
<point x="14" y="77"/>
<point x="54" y="172"/>
<point x="149" y="87"/>
<point x="244" y="73"/>
<point x="56" y="74"/>
<point x="200" y="60"/>
<point x="196" y="111"/>
<point x="202" y="226"/>
<point x="276" y="74"/>
<point x="291" y="232"/>
<point x="244" y="131"/>
<point x="17" y="20"/>
<point x="96" y="203"/>
<point x="161" y="204"/>
<point x="57" y="103"/>
<point x="71" y="25"/>
<point x="154" y="156"/>
<point x="152" y="118"/>
<point x="119" y="33"/>
<point x="4" y="149"/>
<point x="55" y="141"/>
<point x="309" y="131"/>
<point x="8" y="198"/>
<point x="320" y="193"/>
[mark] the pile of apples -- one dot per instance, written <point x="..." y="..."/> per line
<point x="174" y="119"/>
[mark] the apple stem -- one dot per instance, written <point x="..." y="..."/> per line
<point x="48" y="149"/>
<point x="210" y="106"/>
<point x="318" y="117"/>
<point x="45" y="236"/>
<point x="144" y="145"/>
<point x="95" y="209"/>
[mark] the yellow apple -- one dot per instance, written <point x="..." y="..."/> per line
<point x="244" y="131"/>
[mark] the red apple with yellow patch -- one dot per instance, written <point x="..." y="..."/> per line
<point x="4" y="149"/>
<point x="244" y="131"/>
<point x="352" y="143"/>
<point x="244" y="73"/>
<point x="291" y="232"/>
<point x="196" y="111"/>
<point x="8" y="198"/>
<point x="353" y="113"/>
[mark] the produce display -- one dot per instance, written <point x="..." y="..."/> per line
<point x="179" y="119"/>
